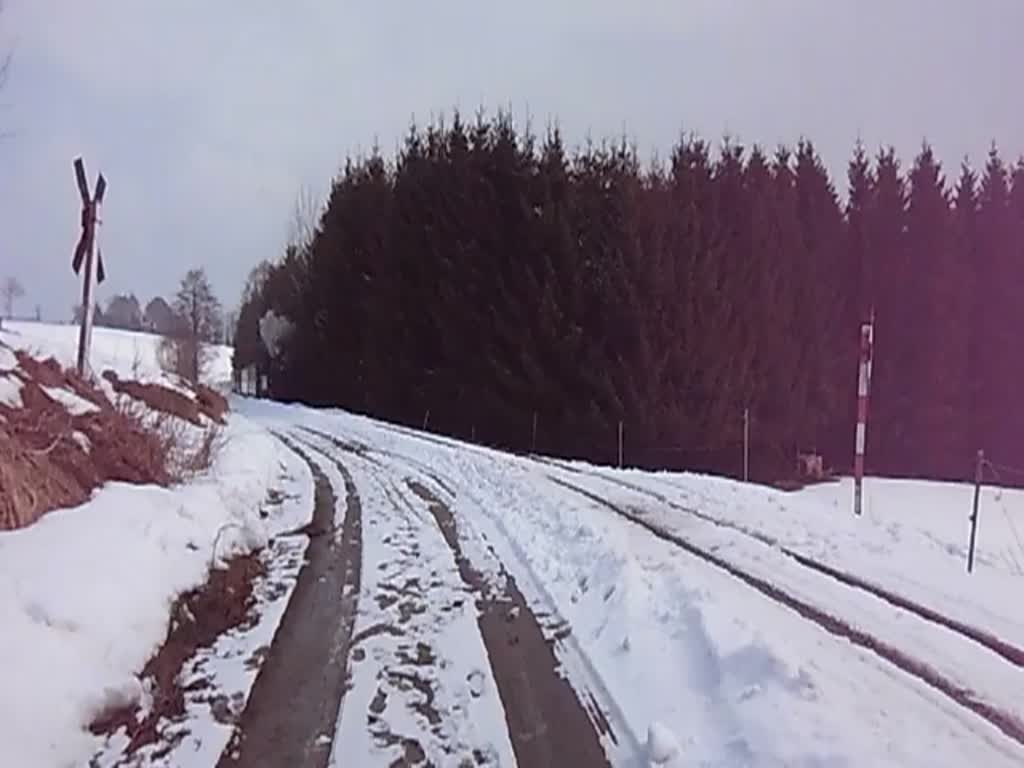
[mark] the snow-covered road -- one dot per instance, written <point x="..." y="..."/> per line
<point x="654" y="638"/>
<point x="420" y="601"/>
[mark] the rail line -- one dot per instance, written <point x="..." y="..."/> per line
<point x="1010" y="652"/>
<point x="1005" y="722"/>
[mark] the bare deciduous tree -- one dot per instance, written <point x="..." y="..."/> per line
<point x="187" y="350"/>
<point x="11" y="291"/>
<point x="303" y="225"/>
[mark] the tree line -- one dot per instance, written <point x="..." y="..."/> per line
<point x="487" y="280"/>
<point x="160" y="316"/>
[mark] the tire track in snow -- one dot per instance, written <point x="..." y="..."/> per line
<point x="580" y="672"/>
<point x="1004" y="722"/>
<point x="525" y="668"/>
<point x="421" y="692"/>
<point x="292" y="710"/>
<point x="1008" y="651"/>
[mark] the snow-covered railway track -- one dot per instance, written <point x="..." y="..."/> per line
<point x="1010" y="652"/>
<point x="1006" y="722"/>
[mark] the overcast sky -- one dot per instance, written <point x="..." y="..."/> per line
<point x="209" y="116"/>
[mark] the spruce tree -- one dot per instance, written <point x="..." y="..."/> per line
<point x="965" y="243"/>
<point x="939" y="314"/>
<point x="889" y="427"/>
<point x="997" y="310"/>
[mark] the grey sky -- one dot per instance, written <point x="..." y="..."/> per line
<point x="208" y="116"/>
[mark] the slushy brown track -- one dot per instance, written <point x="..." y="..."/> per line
<point x="548" y="725"/>
<point x="1012" y="653"/>
<point x="292" y="711"/>
<point x="1009" y="725"/>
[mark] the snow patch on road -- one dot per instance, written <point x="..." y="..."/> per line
<point x="421" y="683"/>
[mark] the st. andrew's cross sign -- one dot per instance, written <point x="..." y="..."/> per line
<point x="84" y="255"/>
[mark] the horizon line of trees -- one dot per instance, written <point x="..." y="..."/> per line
<point x="124" y="311"/>
<point x="492" y="279"/>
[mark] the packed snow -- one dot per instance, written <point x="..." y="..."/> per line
<point x="437" y="648"/>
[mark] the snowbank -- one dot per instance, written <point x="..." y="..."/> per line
<point x="87" y="590"/>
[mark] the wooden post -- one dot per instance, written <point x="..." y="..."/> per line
<point x="746" y="445"/>
<point x="85" y="331"/>
<point x="978" y="467"/>
<point x="620" y="443"/>
<point x="87" y="254"/>
<point x="533" y="437"/>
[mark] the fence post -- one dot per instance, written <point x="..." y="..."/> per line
<point x="746" y="445"/>
<point x="533" y="434"/>
<point x="472" y="433"/>
<point x="620" y="443"/>
<point x="974" y="512"/>
<point x="867" y="340"/>
<point x="426" y="419"/>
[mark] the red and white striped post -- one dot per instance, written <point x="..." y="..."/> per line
<point x="867" y="339"/>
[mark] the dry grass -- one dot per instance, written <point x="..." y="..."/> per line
<point x="51" y="459"/>
<point x="188" y="448"/>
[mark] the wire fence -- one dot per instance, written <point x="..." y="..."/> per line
<point x="746" y="450"/>
<point x="998" y="471"/>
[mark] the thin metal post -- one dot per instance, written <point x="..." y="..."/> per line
<point x="533" y="436"/>
<point x="746" y="445"/>
<point x="974" y="512"/>
<point x="620" y="443"/>
<point x="426" y="419"/>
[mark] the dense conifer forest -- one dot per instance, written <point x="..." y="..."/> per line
<point x="503" y="287"/>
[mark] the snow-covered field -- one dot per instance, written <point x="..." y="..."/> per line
<point x="707" y="622"/>
<point x="129" y="354"/>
